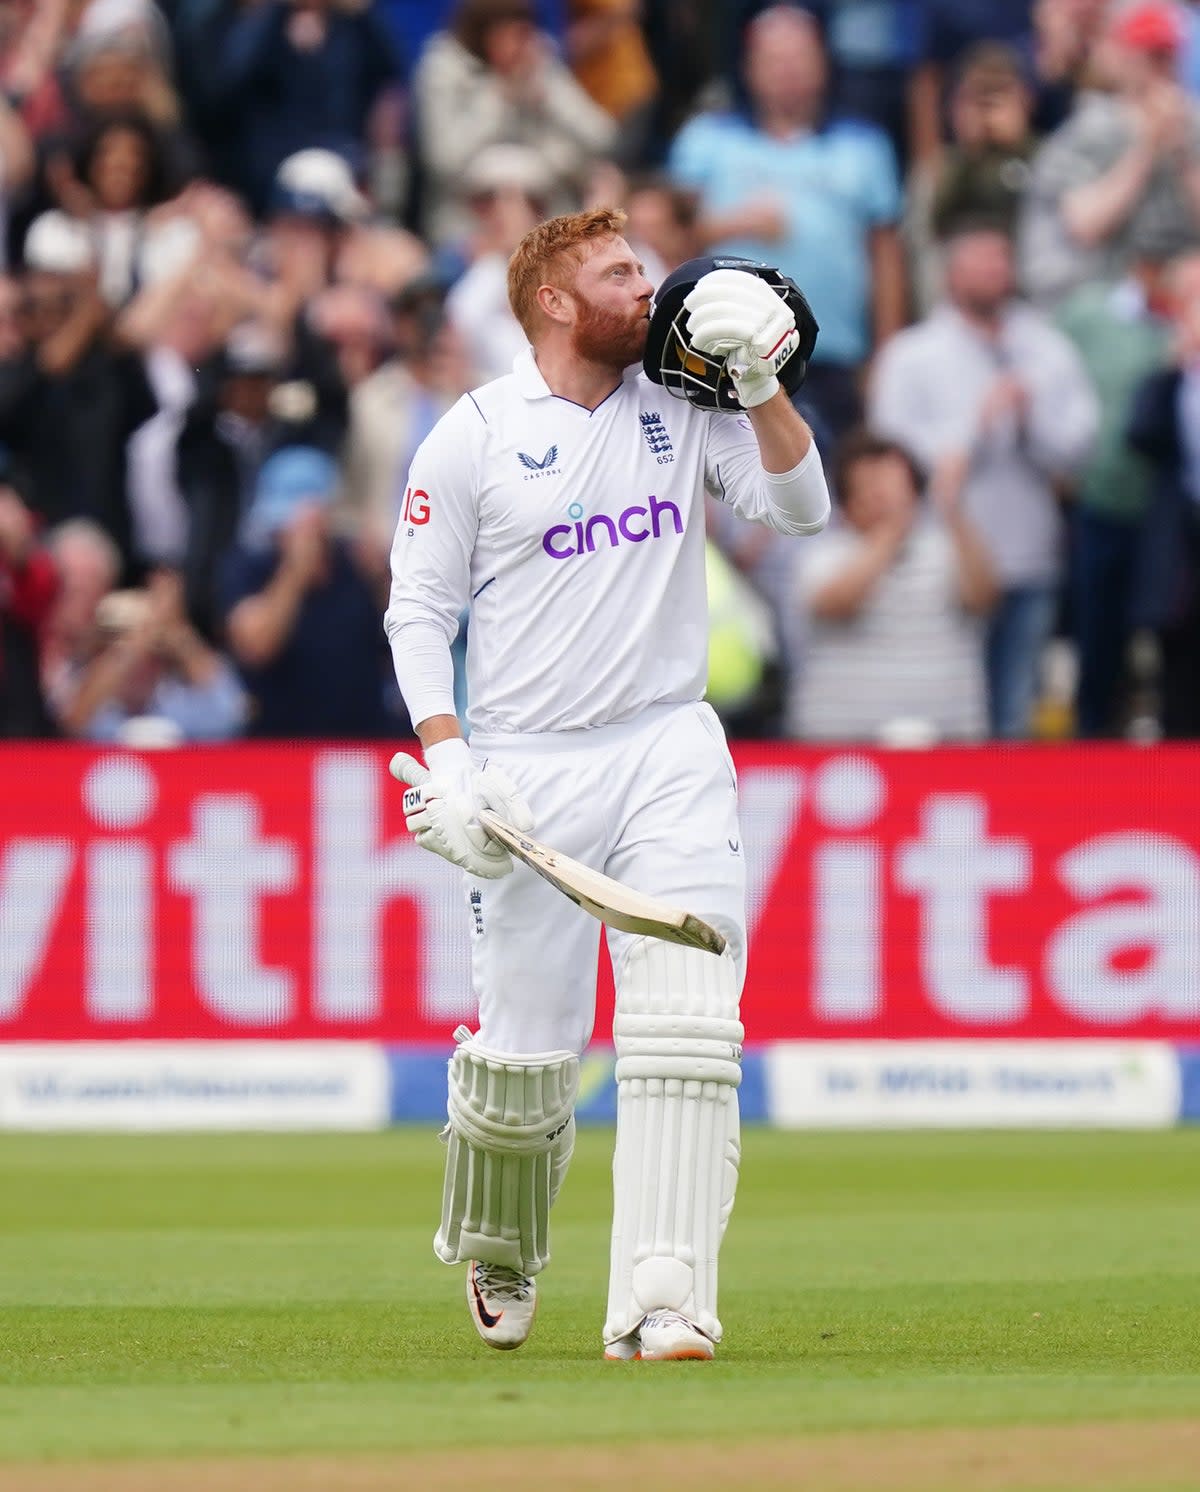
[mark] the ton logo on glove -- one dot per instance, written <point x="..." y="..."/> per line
<point x="728" y="333"/>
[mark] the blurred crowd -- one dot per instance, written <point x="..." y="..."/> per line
<point x="253" y="249"/>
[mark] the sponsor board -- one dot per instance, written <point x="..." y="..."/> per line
<point x="272" y="891"/>
<point x="1189" y="1078"/>
<point x="972" y="1084"/>
<point x="197" y="1085"/>
<point x="419" y="1086"/>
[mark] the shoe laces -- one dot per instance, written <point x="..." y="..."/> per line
<point x="669" y="1318"/>
<point x="502" y="1283"/>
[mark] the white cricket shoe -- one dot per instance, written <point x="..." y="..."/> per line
<point x="663" y="1336"/>
<point x="502" y="1303"/>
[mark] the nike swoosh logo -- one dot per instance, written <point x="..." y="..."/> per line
<point x="484" y="1314"/>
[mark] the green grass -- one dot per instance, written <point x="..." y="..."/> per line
<point x="164" y="1295"/>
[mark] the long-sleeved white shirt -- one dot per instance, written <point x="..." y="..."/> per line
<point x="929" y="384"/>
<point x="576" y="538"/>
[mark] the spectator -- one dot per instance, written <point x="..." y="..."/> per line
<point x="1121" y="332"/>
<point x="989" y="379"/>
<point x="661" y="225"/>
<point x="1059" y="55"/>
<point x="312" y="206"/>
<point x="493" y="78"/>
<point x="894" y="594"/>
<point x="393" y="410"/>
<point x="88" y="566"/>
<point x="877" y="49"/>
<point x="1124" y="169"/>
<point x="255" y="396"/>
<point x="608" y="55"/>
<point x="690" y="47"/>
<point x="302" y="617"/>
<point x="507" y="186"/>
<point x="281" y="76"/>
<point x="121" y="175"/>
<point x="193" y="291"/>
<point x="1165" y="429"/>
<point x="69" y="400"/>
<point x="28" y="583"/>
<point x="152" y="680"/>
<point x="112" y="76"/>
<point x="955" y="26"/>
<point x="820" y="200"/>
<point x="984" y="172"/>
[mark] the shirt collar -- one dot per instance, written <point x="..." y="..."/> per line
<point x="530" y="383"/>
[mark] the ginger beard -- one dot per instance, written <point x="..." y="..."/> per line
<point x="610" y="338"/>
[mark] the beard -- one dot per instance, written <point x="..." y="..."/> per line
<point x="610" y="339"/>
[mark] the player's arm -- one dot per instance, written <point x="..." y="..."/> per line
<point x="431" y="585"/>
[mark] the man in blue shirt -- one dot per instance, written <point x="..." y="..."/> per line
<point x="301" y="615"/>
<point x="819" y="199"/>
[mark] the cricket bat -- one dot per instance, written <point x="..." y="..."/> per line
<point x="604" y="898"/>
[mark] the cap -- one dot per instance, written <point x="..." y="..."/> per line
<point x="317" y="183"/>
<point x="58" y="244"/>
<point x="1150" y="26"/>
<point x="288" y="480"/>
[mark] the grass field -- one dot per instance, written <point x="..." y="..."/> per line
<point x="206" y="1297"/>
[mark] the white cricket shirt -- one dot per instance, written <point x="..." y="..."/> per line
<point x="576" y="537"/>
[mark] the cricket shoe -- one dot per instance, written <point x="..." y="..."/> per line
<point x="663" y="1336"/>
<point x="502" y="1303"/>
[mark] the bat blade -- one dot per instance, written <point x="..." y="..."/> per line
<point x="605" y="899"/>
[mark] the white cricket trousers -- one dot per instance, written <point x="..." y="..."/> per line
<point x="652" y="802"/>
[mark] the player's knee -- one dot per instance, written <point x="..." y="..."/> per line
<point x="677" y="1014"/>
<point x="501" y="1101"/>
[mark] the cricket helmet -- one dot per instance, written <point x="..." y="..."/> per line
<point x="699" y="377"/>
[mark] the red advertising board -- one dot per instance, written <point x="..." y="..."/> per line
<point x="257" y="891"/>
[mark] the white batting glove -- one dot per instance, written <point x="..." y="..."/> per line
<point x="442" y="803"/>
<point x="734" y="313"/>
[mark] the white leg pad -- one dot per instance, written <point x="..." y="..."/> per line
<point x="509" y="1139"/>
<point x="679" y="1046"/>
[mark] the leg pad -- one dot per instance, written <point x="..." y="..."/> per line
<point x="679" y="1043"/>
<point x="509" y="1139"/>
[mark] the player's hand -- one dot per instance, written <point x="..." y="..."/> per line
<point x="441" y="808"/>
<point x="736" y="314"/>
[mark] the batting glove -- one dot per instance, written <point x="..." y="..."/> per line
<point x="734" y="313"/>
<point x="441" y="807"/>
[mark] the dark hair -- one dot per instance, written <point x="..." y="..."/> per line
<point x="990" y="63"/>
<point x="683" y="202"/>
<point x="862" y="444"/>
<point x="156" y="186"/>
<point x="474" y="19"/>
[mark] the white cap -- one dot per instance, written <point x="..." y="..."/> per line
<point x="315" y="182"/>
<point x="58" y="244"/>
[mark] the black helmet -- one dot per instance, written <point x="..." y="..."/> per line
<point x="700" y="377"/>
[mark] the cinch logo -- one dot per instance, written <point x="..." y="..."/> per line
<point x="655" y="432"/>
<point x="544" y="468"/>
<point x="565" y="540"/>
